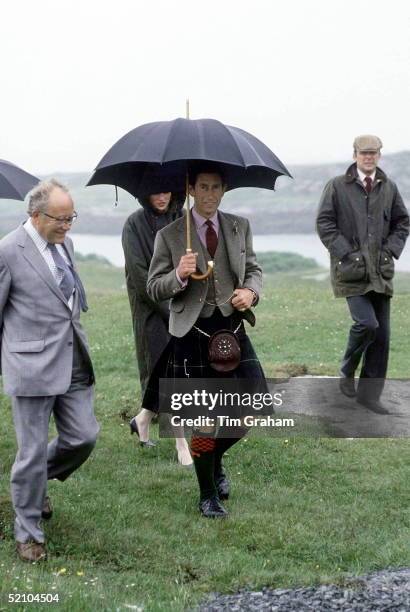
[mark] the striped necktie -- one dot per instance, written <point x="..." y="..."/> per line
<point x="70" y="278"/>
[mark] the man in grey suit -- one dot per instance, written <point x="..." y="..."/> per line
<point x="199" y="308"/>
<point x="45" y="361"/>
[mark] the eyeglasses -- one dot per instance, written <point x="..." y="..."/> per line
<point x="62" y="220"/>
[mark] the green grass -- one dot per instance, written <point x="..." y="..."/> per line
<point x="303" y="511"/>
<point x="300" y="323"/>
<point x="273" y="262"/>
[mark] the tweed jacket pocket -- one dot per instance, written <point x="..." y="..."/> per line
<point x="177" y="305"/>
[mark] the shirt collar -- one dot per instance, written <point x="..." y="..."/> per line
<point x="33" y="233"/>
<point x="200" y="221"/>
<point x="362" y="175"/>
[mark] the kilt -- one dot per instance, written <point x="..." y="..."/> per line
<point x="187" y="357"/>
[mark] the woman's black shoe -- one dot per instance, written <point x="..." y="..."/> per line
<point x="134" y="430"/>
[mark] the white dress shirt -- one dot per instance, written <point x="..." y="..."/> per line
<point x="362" y="176"/>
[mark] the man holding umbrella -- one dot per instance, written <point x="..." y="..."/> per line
<point x="217" y="157"/>
<point x="200" y="308"/>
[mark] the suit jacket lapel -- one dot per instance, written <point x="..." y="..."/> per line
<point x="36" y="261"/>
<point x="231" y="234"/>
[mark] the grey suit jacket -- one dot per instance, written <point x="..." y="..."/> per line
<point x="36" y="323"/>
<point x="186" y="304"/>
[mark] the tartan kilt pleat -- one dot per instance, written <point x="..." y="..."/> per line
<point x="187" y="357"/>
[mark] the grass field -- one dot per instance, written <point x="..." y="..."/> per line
<point x="126" y="533"/>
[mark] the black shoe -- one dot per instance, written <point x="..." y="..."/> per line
<point x="346" y="386"/>
<point x="373" y="405"/>
<point x="222" y="485"/>
<point x="212" y="508"/>
<point x="134" y="429"/>
<point x="47" y="511"/>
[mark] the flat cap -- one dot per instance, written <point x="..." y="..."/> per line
<point x="367" y="142"/>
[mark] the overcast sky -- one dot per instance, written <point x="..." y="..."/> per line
<point x="303" y="76"/>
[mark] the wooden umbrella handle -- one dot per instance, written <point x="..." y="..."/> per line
<point x="196" y="276"/>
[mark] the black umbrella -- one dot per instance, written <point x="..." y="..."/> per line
<point x="15" y="183"/>
<point x="157" y="155"/>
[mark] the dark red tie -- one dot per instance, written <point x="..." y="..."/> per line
<point x="368" y="182"/>
<point x="211" y="238"/>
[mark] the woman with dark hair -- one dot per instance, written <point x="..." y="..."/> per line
<point x="149" y="319"/>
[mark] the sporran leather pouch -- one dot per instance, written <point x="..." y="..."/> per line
<point x="224" y="351"/>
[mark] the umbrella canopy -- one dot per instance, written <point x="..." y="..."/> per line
<point x="155" y="157"/>
<point x="15" y="183"/>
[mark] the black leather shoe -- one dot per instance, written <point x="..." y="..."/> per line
<point x="373" y="405"/>
<point x="134" y="429"/>
<point x="212" y="508"/>
<point x="346" y="386"/>
<point x="47" y="511"/>
<point x="222" y="485"/>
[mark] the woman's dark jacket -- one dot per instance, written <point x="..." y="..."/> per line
<point x="149" y="319"/>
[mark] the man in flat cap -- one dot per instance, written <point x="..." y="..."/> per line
<point x="364" y="224"/>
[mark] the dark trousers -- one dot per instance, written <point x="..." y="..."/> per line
<point x="369" y="339"/>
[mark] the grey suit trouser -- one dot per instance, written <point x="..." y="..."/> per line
<point x="38" y="460"/>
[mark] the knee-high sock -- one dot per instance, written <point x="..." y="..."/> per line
<point x="203" y="454"/>
<point x="223" y="444"/>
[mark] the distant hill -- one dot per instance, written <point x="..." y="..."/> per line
<point x="289" y="209"/>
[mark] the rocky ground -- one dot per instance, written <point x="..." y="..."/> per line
<point x="379" y="592"/>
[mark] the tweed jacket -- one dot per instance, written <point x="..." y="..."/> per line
<point x="186" y="304"/>
<point x="36" y="323"/>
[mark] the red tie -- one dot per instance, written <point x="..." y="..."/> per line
<point x="368" y="182"/>
<point x="211" y="238"/>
